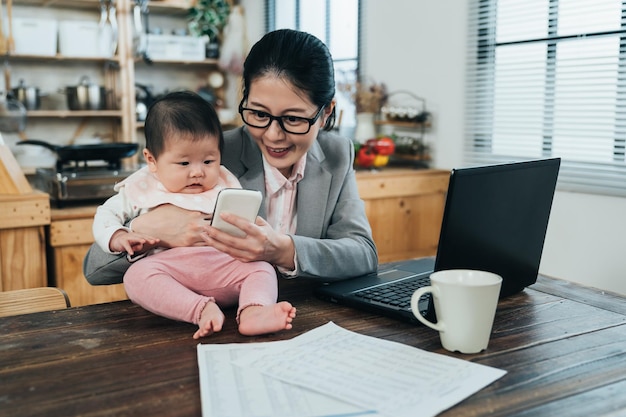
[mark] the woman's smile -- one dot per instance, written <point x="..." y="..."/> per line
<point x="278" y="152"/>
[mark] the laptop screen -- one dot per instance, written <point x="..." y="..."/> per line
<point x="496" y="219"/>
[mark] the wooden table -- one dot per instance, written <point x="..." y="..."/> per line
<point x="563" y="346"/>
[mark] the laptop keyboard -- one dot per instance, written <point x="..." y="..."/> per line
<point x="397" y="294"/>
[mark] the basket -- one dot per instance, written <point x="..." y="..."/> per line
<point x="404" y="106"/>
<point x="410" y="145"/>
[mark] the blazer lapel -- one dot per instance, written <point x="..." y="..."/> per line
<point x="253" y="178"/>
<point x="312" y="195"/>
<point x="313" y="190"/>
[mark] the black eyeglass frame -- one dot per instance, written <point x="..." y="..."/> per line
<point x="279" y="119"/>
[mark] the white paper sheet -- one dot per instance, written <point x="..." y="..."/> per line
<point x="375" y="374"/>
<point x="231" y="391"/>
<point x="333" y="372"/>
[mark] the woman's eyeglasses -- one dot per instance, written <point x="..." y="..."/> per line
<point x="290" y="124"/>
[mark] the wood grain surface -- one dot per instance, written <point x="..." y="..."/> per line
<point x="563" y="347"/>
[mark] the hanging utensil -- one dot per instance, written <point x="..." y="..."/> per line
<point x="140" y="41"/>
<point x="103" y="14"/>
<point x="112" y="16"/>
<point x="3" y="40"/>
<point x="7" y="76"/>
<point x="103" y="25"/>
<point x="234" y="45"/>
<point x="108" y="27"/>
<point x="10" y="44"/>
<point x="140" y="19"/>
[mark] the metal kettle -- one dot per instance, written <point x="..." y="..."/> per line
<point x="144" y="100"/>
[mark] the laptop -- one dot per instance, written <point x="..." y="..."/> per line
<point x="495" y="219"/>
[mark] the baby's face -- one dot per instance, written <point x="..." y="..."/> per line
<point x="188" y="166"/>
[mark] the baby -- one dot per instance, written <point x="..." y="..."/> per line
<point x="184" y="142"/>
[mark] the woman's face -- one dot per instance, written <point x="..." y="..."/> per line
<point x="279" y="97"/>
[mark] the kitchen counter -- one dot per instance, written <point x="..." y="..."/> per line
<point x="404" y="207"/>
<point x="70" y="213"/>
<point x="69" y="239"/>
<point x="22" y="240"/>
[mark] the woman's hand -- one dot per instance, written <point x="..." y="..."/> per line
<point x="261" y="242"/>
<point x="173" y="226"/>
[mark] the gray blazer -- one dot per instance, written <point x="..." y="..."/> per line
<point x="333" y="239"/>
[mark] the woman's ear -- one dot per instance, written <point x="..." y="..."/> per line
<point x="329" y="109"/>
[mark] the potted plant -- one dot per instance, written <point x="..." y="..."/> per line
<point x="208" y="18"/>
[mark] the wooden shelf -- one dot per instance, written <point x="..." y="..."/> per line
<point x="178" y="7"/>
<point x="63" y="114"/>
<point x="408" y="125"/>
<point x="61" y="58"/>
<point x="407" y="157"/>
<point x="206" y="62"/>
<point x="74" y="4"/>
<point x="157" y="6"/>
<point x="226" y="124"/>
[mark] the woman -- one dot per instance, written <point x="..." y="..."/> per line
<point x="312" y="222"/>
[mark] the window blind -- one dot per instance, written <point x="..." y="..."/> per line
<point x="547" y="78"/>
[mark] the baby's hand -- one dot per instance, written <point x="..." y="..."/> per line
<point x="130" y="242"/>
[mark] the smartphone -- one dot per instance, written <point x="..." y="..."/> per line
<point x="243" y="203"/>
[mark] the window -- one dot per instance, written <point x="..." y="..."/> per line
<point x="547" y="78"/>
<point x="336" y="23"/>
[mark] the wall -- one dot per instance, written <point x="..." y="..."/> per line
<point x="421" y="45"/>
<point x="254" y="12"/>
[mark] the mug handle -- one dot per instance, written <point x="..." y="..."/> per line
<point x="414" y="301"/>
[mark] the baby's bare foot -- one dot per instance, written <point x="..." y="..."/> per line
<point x="211" y="320"/>
<point x="256" y="320"/>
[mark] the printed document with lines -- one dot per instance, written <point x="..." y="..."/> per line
<point x="336" y="372"/>
<point x="231" y="391"/>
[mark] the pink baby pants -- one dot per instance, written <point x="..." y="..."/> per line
<point x="177" y="283"/>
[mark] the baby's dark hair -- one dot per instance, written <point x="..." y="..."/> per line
<point x="181" y="112"/>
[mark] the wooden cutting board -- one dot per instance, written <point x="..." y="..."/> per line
<point x="12" y="179"/>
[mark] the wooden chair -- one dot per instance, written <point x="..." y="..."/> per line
<point x="32" y="300"/>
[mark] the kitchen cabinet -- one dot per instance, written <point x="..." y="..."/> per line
<point x="22" y="240"/>
<point x="405" y="209"/>
<point x="69" y="238"/>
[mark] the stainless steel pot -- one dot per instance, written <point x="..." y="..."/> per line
<point x="30" y="97"/>
<point x="86" y="96"/>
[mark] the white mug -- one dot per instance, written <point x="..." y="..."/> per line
<point x="465" y="304"/>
